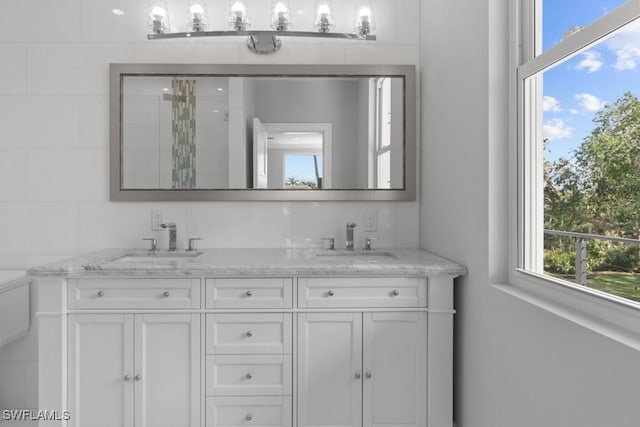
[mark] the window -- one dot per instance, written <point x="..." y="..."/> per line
<point x="303" y="171"/>
<point x="579" y="157"/>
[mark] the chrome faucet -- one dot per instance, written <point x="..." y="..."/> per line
<point x="350" y="227"/>
<point x="172" y="234"/>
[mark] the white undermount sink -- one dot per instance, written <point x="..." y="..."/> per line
<point x="359" y="253"/>
<point x="158" y="256"/>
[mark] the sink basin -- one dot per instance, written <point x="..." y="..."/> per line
<point x="158" y="256"/>
<point x="360" y="253"/>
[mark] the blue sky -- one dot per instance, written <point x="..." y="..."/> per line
<point x="301" y="167"/>
<point x="576" y="89"/>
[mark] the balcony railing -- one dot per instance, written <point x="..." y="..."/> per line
<point x="581" y="249"/>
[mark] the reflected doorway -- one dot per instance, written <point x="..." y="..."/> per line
<point x="299" y="155"/>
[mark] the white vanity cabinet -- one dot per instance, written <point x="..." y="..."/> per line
<point x="362" y="368"/>
<point x="344" y="345"/>
<point x="133" y="369"/>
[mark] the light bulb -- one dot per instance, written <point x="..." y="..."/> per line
<point x="280" y="18"/>
<point x="197" y="20"/>
<point x="238" y="16"/>
<point x="158" y="17"/>
<point x="324" y="16"/>
<point x="365" y="21"/>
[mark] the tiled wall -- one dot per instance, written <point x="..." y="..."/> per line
<point x="54" y="140"/>
<point x="54" y="128"/>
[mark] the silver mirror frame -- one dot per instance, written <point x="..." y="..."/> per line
<point x="407" y="72"/>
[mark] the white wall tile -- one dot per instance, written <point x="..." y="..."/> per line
<point x="74" y="68"/>
<point x="13" y="174"/>
<point x="94" y="121"/>
<point x="52" y="228"/>
<point x="218" y="51"/>
<point x="408" y="21"/>
<point x="100" y="24"/>
<point x="67" y="175"/>
<point x="53" y="20"/>
<point x="13" y="72"/>
<point x="39" y="121"/>
<point x="240" y="225"/>
<point x="14" y="241"/>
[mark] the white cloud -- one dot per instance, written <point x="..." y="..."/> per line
<point x="550" y="104"/>
<point x="591" y="61"/>
<point x="590" y="102"/>
<point x="573" y="111"/>
<point x="557" y="129"/>
<point x="626" y="46"/>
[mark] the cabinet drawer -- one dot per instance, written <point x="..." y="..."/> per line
<point x="362" y="292"/>
<point x="256" y="411"/>
<point x="266" y="333"/>
<point x="249" y="375"/>
<point x="134" y="293"/>
<point x="249" y="293"/>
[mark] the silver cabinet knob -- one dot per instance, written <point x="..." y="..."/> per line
<point x="100" y="294"/>
<point x="249" y="334"/>
<point x="368" y="375"/>
<point x="248" y="376"/>
<point x="166" y="294"/>
<point x="138" y="377"/>
<point x="395" y="293"/>
<point x="249" y="293"/>
<point x="127" y="377"/>
<point x="358" y="375"/>
<point x="331" y="292"/>
<point x="249" y="417"/>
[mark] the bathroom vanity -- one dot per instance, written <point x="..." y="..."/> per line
<point x="247" y="337"/>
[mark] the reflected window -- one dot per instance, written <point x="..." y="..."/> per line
<point x="303" y="171"/>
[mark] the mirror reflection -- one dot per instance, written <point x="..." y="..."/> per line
<point x="213" y="132"/>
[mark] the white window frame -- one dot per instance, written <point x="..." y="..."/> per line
<point x="615" y="317"/>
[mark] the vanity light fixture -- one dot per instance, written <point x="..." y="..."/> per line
<point x="260" y="41"/>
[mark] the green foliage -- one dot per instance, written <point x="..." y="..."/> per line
<point x="597" y="192"/>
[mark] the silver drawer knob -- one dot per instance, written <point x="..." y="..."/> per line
<point x="100" y="294"/>
<point x="127" y="377"/>
<point x="138" y="377"/>
<point x="395" y="293"/>
<point x="331" y="293"/>
<point x="368" y="375"/>
<point x="358" y="375"/>
<point x="249" y="334"/>
<point x="249" y="293"/>
<point x="248" y="376"/>
<point x="166" y="294"/>
<point x="249" y="417"/>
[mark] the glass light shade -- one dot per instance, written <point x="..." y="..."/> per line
<point x="324" y="21"/>
<point x="198" y="17"/>
<point x="365" y="20"/>
<point x="158" y="17"/>
<point x="238" y="16"/>
<point x="281" y="15"/>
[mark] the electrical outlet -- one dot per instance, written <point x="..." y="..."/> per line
<point x="371" y="221"/>
<point x="156" y="220"/>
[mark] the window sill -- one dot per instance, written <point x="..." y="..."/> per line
<point x="615" y="318"/>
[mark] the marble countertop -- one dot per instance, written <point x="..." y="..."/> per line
<point x="11" y="278"/>
<point x="258" y="262"/>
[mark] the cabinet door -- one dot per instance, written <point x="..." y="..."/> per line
<point x="394" y="369"/>
<point x="101" y="370"/>
<point x="329" y="369"/>
<point x="167" y="360"/>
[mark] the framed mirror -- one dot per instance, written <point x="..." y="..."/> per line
<point x="189" y="132"/>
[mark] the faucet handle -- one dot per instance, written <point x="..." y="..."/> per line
<point x="368" y="241"/>
<point x="351" y="225"/>
<point x="192" y="243"/>
<point x="332" y="242"/>
<point x="154" y="243"/>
